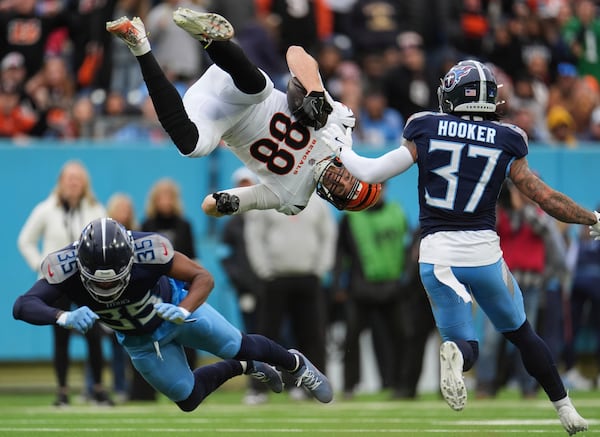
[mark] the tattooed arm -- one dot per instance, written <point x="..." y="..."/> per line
<point x="555" y="203"/>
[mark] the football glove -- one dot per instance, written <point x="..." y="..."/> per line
<point x="171" y="313"/>
<point x="595" y="229"/>
<point x="337" y="139"/>
<point x="314" y="110"/>
<point x="80" y="319"/>
<point x="227" y="203"/>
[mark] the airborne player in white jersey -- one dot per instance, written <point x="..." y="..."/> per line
<point x="275" y="134"/>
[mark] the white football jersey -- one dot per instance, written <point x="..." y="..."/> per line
<point x="260" y="130"/>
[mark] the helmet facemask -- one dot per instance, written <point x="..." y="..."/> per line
<point x="105" y="259"/>
<point x="336" y="185"/>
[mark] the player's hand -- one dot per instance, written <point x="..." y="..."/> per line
<point x="171" y="313"/>
<point x="337" y="139"/>
<point x="595" y="229"/>
<point x="81" y="319"/>
<point x="314" y="110"/>
<point x="344" y="115"/>
<point x="227" y="203"/>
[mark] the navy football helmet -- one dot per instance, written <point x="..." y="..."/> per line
<point x="469" y="87"/>
<point x="105" y="259"/>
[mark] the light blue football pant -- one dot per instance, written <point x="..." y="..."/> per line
<point x="160" y="357"/>
<point x="451" y="291"/>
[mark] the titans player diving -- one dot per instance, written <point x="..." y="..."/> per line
<point x="464" y="154"/>
<point x="155" y="300"/>
<point x="276" y="135"/>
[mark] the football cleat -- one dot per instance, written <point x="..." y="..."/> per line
<point x="206" y="27"/>
<point x="571" y="421"/>
<point x="265" y="374"/>
<point x="132" y="32"/>
<point x="312" y="380"/>
<point x="452" y="383"/>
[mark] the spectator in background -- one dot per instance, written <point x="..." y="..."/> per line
<point x="179" y="56"/>
<point x="582" y="33"/>
<point x="415" y="325"/>
<point x="292" y="254"/>
<point x="304" y="23"/>
<point x="378" y="125"/>
<point x="369" y="264"/>
<point x="53" y="223"/>
<point x="408" y="86"/>
<point x="584" y="304"/>
<point x="375" y="24"/>
<point x="236" y="264"/>
<point x="530" y="98"/>
<point x="53" y="91"/>
<point x="578" y="95"/>
<point x="17" y="120"/>
<point x="120" y="208"/>
<point x="165" y="216"/>
<point x="561" y="127"/>
<point x="592" y="135"/>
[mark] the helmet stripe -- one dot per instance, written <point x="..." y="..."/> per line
<point x="103" y="227"/>
<point x="482" y="83"/>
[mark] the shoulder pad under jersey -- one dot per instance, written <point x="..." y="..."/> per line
<point x="152" y="249"/>
<point x="60" y="265"/>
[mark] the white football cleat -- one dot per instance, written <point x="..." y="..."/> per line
<point x="571" y="421"/>
<point x="452" y="383"/>
<point x="132" y="32"/>
<point x="206" y="27"/>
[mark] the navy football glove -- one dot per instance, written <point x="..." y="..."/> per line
<point x="171" y="313"/>
<point x="81" y="319"/>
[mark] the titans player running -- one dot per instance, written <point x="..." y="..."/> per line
<point x="276" y="135"/>
<point x="155" y="300"/>
<point x="464" y="156"/>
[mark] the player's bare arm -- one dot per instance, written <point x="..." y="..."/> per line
<point x="555" y="203"/>
<point x="199" y="279"/>
<point x="305" y="68"/>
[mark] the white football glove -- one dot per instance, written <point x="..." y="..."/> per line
<point x="343" y="115"/>
<point x="337" y="139"/>
<point x="172" y="313"/>
<point x="595" y="229"/>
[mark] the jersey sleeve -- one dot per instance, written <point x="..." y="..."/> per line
<point x="59" y="266"/>
<point x="516" y="141"/>
<point x="35" y="305"/>
<point x="415" y="125"/>
<point x="152" y="248"/>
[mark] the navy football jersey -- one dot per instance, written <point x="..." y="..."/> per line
<point x="133" y="312"/>
<point x="462" y="165"/>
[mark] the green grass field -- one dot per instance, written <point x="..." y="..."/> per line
<point x="223" y="414"/>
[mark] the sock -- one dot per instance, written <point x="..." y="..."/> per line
<point x="260" y="348"/>
<point x="566" y="401"/>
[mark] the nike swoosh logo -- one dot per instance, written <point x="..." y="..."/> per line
<point x="338" y="140"/>
<point x="50" y="271"/>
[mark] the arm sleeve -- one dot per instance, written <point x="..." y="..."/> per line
<point x="380" y="169"/>
<point x="257" y="196"/>
<point x="33" y="307"/>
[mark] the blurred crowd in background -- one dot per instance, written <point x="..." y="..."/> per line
<point x="64" y="77"/>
